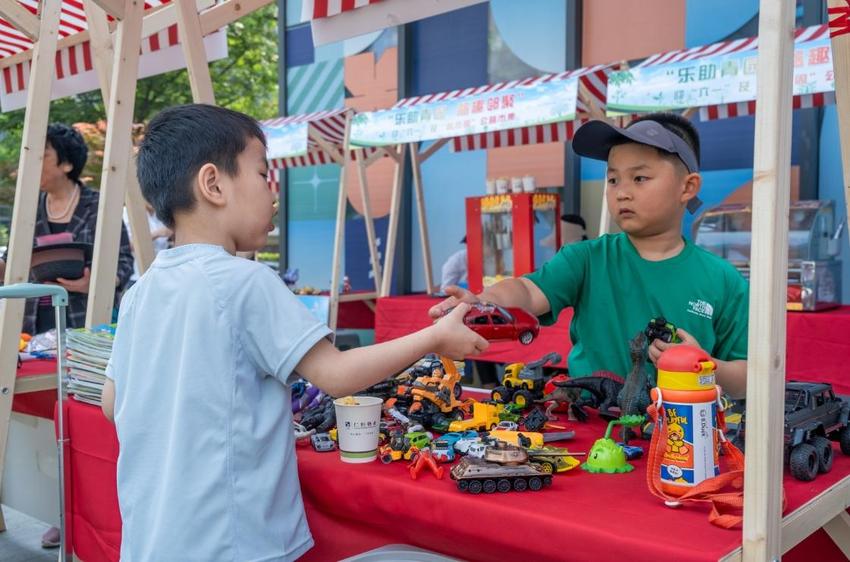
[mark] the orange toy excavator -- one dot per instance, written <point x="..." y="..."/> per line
<point x="442" y="388"/>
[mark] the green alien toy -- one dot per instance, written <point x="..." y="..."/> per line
<point x="606" y="456"/>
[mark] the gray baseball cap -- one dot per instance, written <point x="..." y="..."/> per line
<point x="596" y="138"/>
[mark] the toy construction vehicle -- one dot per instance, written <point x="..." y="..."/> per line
<point x="504" y="468"/>
<point x="523" y="383"/>
<point x="530" y="439"/>
<point x="403" y="446"/>
<point x="814" y="417"/>
<point x="484" y="417"/>
<point x="435" y="397"/>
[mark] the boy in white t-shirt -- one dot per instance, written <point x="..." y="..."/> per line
<point x="206" y="346"/>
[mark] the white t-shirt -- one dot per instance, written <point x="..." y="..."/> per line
<point x="454" y="270"/>
<point x="205" y="348"/>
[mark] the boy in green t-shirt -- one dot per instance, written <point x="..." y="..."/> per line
<point x="617" y="283"/>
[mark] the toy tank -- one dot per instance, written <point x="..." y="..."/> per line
<point x="505" y="454"/>
<point x="477" y="475"/>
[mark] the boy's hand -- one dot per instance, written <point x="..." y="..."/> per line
<point x="659" y="346"/>
<point x="454" y="339"/>
<point x="457" y="295"/>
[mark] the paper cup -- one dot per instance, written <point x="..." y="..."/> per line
<point x="528" y="184"/>
<point x="491" y="187"/>
<point x="501" y="186"/>
<point x="357" y="428"/>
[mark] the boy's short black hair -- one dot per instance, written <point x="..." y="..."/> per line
<point x="676" y="124"/>
<point x="178" y="142"/>
<point x="70" y="147"/>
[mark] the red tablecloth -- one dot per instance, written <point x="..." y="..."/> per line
<point x="41" y="403"/>
<point x="818" y="343"/>
<point x="355" y="315"/>
<point x="354" y="508"/>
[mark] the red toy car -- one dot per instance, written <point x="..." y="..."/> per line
<point x="494" y="322"/>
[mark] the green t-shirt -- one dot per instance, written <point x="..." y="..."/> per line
<point x="615" y="293"/>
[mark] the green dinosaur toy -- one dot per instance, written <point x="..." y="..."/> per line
<point x="606" y="456"/>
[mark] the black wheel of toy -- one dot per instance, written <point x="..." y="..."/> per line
<point x="503" y="485"/>
<point x="462" y="485"/>
<point x="535" y="483"/>
<point x="458" y="390"/>
<point x="501" y="394"/>
<point x="523" y="398"/>
<point x="386" y="459"/>
<point x="475" y="487"/>
<point x="547" y="467"/>
<point x="844" y="439"/>
<point x="457" y="415"/>
<point x="489" y="486"/>
<point x="520" y="484"/>
<point x="804" y="462"/>
<point x="547" y="480"/>
<point x="526" y="338"/>
<point x="823" y="447"/>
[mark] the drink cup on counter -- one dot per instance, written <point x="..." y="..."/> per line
<point x="358" y="420"/>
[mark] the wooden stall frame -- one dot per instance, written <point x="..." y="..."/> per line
<point x="344" y="157"/>
<point x="113" y="67"/>
<point x="24" y="210"/>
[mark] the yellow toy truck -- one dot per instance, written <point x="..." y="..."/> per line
<point x="484" y="417"/>
<point x="523" y="383"/>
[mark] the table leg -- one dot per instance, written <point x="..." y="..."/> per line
<point x="838" y="530"/>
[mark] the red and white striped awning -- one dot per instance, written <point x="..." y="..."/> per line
<point x="726" y="110"/>
<point x="317" y="9"/>
<point x="72" y="20"/>
<point x="330" y="126"/>
<point x="76" y="59"/>
<point x="593" y="80"/>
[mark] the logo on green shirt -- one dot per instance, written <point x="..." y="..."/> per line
<point x="701" y="308"/>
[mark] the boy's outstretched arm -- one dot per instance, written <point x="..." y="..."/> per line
<point x="340" y="373"/>
<point x="519" y="293"/>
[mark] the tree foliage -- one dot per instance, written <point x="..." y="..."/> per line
<point x="245" y="81"/>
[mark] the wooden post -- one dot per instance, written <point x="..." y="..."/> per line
<point x="370" y="225"/>
<point x="102" y="55"/>
<point x="22" y="19"/>
<point x="768" y="284"/>
<point x="24" y="210"/>
<point x="423" y="224"/>
<point x="116" y="164"/>
<point x="392" y="228"/>
<point x="605" y="214"/>
<point x="192" y="43"/>
<point x="339" y="235"/>
<point x="841" y="67"/>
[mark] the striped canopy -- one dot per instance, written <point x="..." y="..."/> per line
<point x="594" y="81"/>
<point x="748" y="107"/>
<point x="329" y="125"/>
<point x="318" y="9"/>
<point x="72" y="20"/>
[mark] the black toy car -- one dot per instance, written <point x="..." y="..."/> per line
<point x="814" y="417"/>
